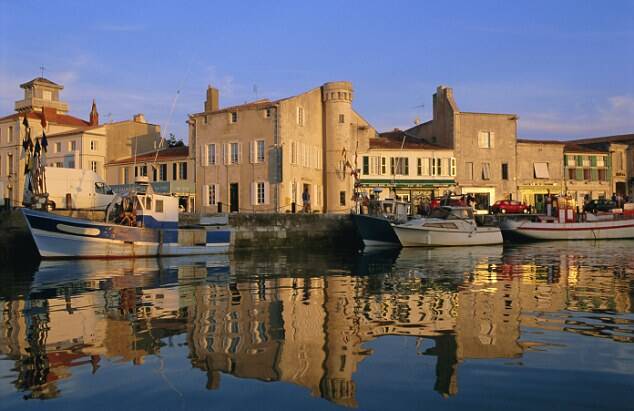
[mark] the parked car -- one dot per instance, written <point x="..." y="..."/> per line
<point x="599" y="205"/>
<point x="509" y="207"/>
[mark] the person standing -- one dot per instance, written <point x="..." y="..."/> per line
<point x="306" y="200"/>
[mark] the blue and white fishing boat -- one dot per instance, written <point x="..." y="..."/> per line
<point x="137" y="225"/>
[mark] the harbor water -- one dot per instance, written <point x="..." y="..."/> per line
<point x="536" y="326"/>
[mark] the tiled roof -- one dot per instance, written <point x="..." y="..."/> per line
<point x="73" y="131"/>
<point x="254" y="105"/>
<point x="394" y="140"/>
<point x="170" y="153"/>
<point x="40" y="80"/>
<point x="51" y="117"/>
<point x="621" y="138"/>
<point x="581" y="148"/>
<point x="528" y="141"/>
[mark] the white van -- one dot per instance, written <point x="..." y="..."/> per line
<point x="77" y="189"/>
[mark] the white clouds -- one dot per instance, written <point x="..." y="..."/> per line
<point x="613" y="115"/>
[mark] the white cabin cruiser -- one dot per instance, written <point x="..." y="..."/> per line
<point x="447" y="226"/>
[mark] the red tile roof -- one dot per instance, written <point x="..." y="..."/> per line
<point x="51" y="117"/>
<point x="579" y="148"/>
<point x="394" y="140"/>
<point x="170" y="153"/>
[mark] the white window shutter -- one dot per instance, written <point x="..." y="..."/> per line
<point x="206" y="195"/>
<point x="254" y="188"/>
<point x="225" y="154"/>
<point x="239" y="153"/>
<point x="251" y="156"/>
<point x="267" y="193"/>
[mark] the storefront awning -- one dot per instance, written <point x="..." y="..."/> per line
<point x="541" y="170"/>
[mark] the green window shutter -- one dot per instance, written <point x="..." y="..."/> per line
<point x="579" y="161"/>
<point x="608" y="161"/>
<point x="579" y="176"/>
<point x="594" y="174"/>
<point x="565" y="161"/>
<point x="593" y="161"/>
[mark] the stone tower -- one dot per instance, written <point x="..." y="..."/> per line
<point x="337" y="109"/>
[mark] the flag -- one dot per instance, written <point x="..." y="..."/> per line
<point x="44" y="142"/>
<point x="43" y="122"/>
<point x="25" y="122"/>
<point x="37" y="146"/>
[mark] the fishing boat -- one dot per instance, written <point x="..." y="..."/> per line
<point x="138" y="224"/>
<point x="446" y="226"/>
<point x="543" y="228"/>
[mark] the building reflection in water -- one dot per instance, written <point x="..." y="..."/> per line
<point x="306" y="319"/>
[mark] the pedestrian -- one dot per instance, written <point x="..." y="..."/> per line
<point x="306" y="200"/>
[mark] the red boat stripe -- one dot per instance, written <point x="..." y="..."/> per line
<point x="574" y="229"/>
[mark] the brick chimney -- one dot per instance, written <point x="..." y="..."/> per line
<point x="94" y="115"/>
<point x="213" y="96"/>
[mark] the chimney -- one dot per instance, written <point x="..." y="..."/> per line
<point x="213" y="95"/>
<point x="139" y="118"/>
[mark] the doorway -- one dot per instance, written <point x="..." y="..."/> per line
<point x="621" y="189"/>
<point x="234" y="195"/>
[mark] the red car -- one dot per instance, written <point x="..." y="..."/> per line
<point x="509" y="207"/>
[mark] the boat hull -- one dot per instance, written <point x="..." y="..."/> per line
<point x="410" y="236"/>
<point x="375" y="231"/>
<point x="64" y="237"/>
<point x="542" y="231"/>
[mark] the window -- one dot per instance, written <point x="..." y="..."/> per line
<point x="399" y="166"/>
<point x="601" y="161"/>
<point x="93" y="145"/>
<point x="93" y="166"/>
<point x="366" y="165"/>
<point x="419" y="167"/>
<point x="259" y="193"/>
<point x="10" y="135"/>
<point x="148" y="203"/>
<point x="158" y="206"/>
<point x="505" y="171"/>
<point x="453" y="167"/>
<point x="143" y="170"/>
<point x="260" y="151"/>
<point x="383" y="165"/>
<point x="267" y="113"/>
<point x="619" y="161"/>
<point x="485" y="139"/>
<point x="486" y="171"/>
<point x="342" y="118"/>
<point x="126" y="175"/>
<point x="444" y="162"/>
<point x="235" y="153"/>
<point x="47" y="95"/>
<point x="293" y="152"/>
<point x="154" y="174"/>
<point x="436" y="167"/>
<point x="586" y="174"/>
<point x="541" y="170"/>
<point x="212" y="191"/>
<point x="59" y="164"/>
<point x="300" y="116"/>
<point x="585" y="161"/>
<point x="603" y="175"/>
<point x="174" y="172"/>
<point x="468" y="169"/>
<point x="342" y="198"/>
<point x="572" y="173"/>
<point x="10" y="169"/>
<point x="571" y="161"/>
<point x="182" y="168"/>
<point x="71" y="163"/>
<point x="163" y="172"/>
<point x="233" y="117"/>
<point x="211" y="154"/>
<point x="72" y="145"/>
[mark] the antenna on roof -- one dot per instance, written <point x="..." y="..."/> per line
<point x="42" y="68"/>
<point x="255" y="91"/>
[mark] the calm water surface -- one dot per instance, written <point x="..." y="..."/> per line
<point x="546" y="326"/>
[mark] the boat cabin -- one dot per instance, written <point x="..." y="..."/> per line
<point x="452" y="213"/>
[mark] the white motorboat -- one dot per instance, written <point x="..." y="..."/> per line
<point x="447" y="226"/>
<point x="602" y="227"/>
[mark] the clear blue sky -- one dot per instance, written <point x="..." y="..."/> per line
<point x="565" y="67"/>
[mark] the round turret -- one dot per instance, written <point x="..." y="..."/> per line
<point x="337" y="101"/>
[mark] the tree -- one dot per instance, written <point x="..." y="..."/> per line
<point x="172" y="141"/>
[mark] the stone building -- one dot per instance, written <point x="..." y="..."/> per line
<point x="406" y="166"/>
<point x="484" y="145"/>
<point x="262" y="156"/>
<point x="72" y="142"/>
<point x="539" y="171"/>
<point x="170" y="171"/>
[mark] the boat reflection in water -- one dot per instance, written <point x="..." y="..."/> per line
<point x="309" y="319"/>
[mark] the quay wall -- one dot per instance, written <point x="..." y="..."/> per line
<point x="249" y="231"/>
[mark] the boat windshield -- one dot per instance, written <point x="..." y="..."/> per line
<point x="445" y="213"/>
